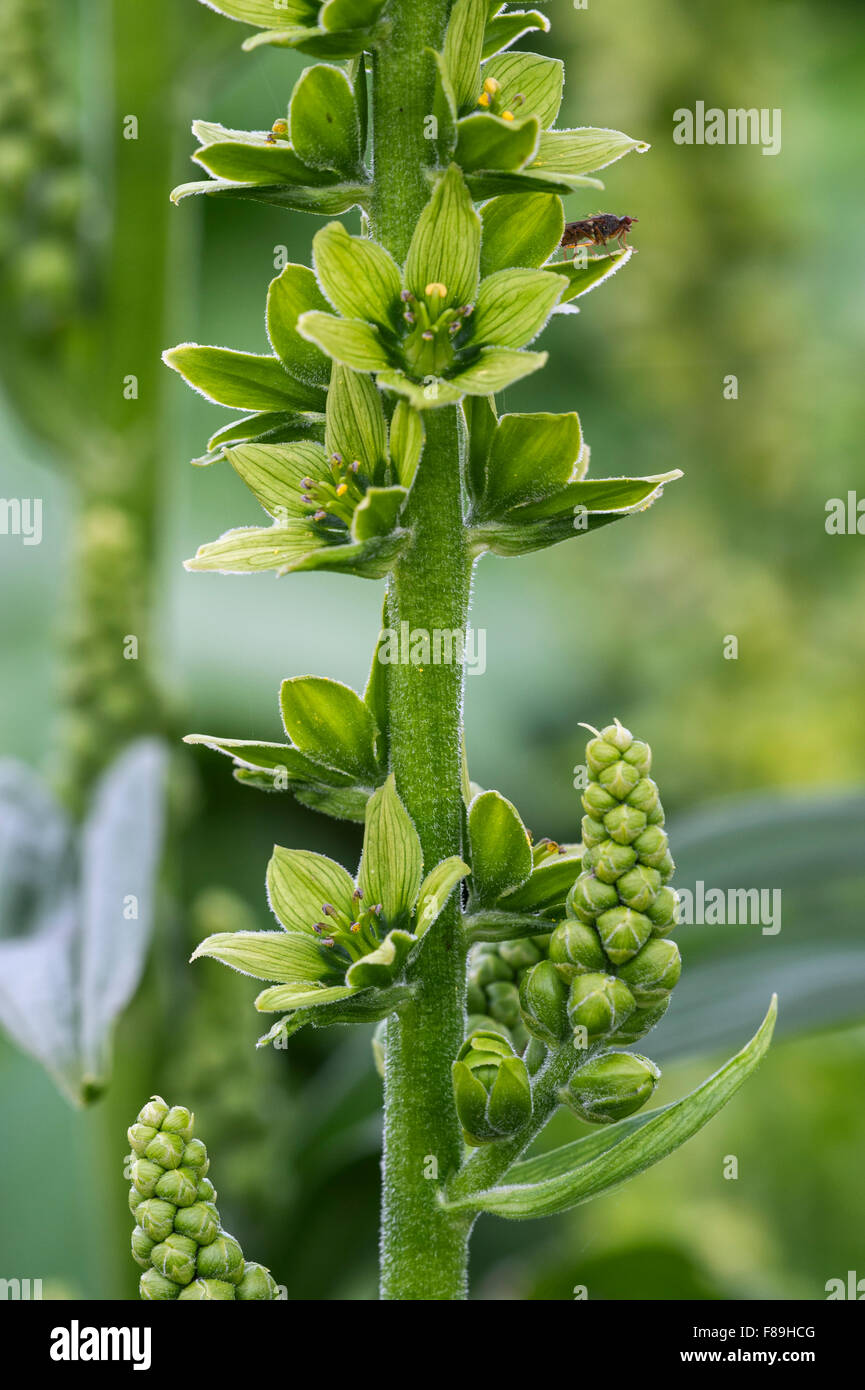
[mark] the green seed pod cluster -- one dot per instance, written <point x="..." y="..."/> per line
<point x="491" y="1088"/>
<point x="495" y="972"/>
<point x="178" y="1239"/>
<point x="610" y="967"/>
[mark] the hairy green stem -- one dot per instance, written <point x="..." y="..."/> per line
<point x="423" y="1248"/>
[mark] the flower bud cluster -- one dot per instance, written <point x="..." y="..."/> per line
<point x="495" y="972"/>
<point x="178" y="1239"/>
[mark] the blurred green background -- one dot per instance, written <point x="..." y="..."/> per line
<point x="746" y="265"/>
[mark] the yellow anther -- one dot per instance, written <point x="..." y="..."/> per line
<point x="507" y="115"/>
<point x="280" y="127"/>
<point x="342" y="490"/>
<point x="435" y="287"/>
<point x="483" y="99"/>
<point x="491" y="86"/>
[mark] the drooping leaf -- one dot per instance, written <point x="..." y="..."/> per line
<point x="297" y="997"/>
<point x="256" y="549"/>
<point x="241" y="379"/>
<point x="521" y="231"/>
<point x="326" y="201"/>
<point x="562" y="1180"/>
<point x="331" y="724"/>
<point x="493" y="183"/>
<point x="582" y="278"/>
<point x="501" y="851"/>
<point x="392" y="862"/>
<point x="259" y="162"/>
<point x="270" y="758"/>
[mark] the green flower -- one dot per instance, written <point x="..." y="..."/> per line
<point x="178" y="1242"/>
<point x="344" y="943"/>
<point x="335" y="29"/>
<point x="491" y="1088"/>
<point x="433" y="330"/>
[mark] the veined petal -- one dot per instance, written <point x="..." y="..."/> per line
<point x="350" y="341"/>
<point x="513" y="306"/>
<point x="252" y="549"/>
<point x="360" y="278"/>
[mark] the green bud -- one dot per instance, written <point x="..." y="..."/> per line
<point x="476" y="1002"/>
<point x="641" y="1022"/>
<point x="619" y="779"/>
<point x="611" y="1087"/>
<point x="543" y="1003"/>
<point x="200" y="1222"/>
<point x="623" y="932"/>
<point x="589" y="897"/>
<point x="639" y="755"/>
<point x="663" y="910"/>
<point x="609" y="861"/>
<point x="596" y="801"/>
<point x="600" y="754"/>
<point x="575" y="949"/>
<point x="503" y="1002"/>
<point x="639" y="887"/>
<point x="166" y="1150"/>
<point x="153" y="1113"/>
<point x="257" y="1283"/>
<point x="624" y="824"/>
<point x="522" y="954"/>
<point x="145" y="1176"/>
<point x="156" y="1217"/>
<point x="141" y="1247"/>
<point x="135" y="1199"/>
<point x="652" y="846"/>
<point x="490" y="967"/>
<point x="180" y="1186"/>
<point x="175" y="1258"/>
<point x="600" y="1004"/>
<point x="654" y="971"/>
<point x="221" y="1258"/>
<point x="139" y="1137"/>
<point x="154" y="1287"/>
<point x="645" y="797"/>
<point x="208" y="1290"/>
<point x="206" y="1192"/>
<point x="194" y="1155"/>
<point x="666" y="868"/>
<point x="616" y="734"/>
<point x="593" y="832"/>
<point x="180" y="1121"/>
<point x="491" y="1088"/>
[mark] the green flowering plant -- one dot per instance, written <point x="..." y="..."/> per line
<point x="507" y="977"/>
<point x="178" y="1239"/>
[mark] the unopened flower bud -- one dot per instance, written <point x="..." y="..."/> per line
<point x="145" y="1175"/>
<point x="491" y="1088"/>
<point x="141" y="1247"/>
<point x="610" y="1087"/>
<point x="521" y="954"/>
<point x="645" y="797"/>
<point x="652" y="846"/>
<point x="153" y="1113"/>
<point x="155" y="1288"/>
<point x="195" y="1156"/>
<point x="257" y="1283"/>
<point x="208" y="1290"/>
<point x="597" y="801"/>
<point x="623" y="932"/>
<point x="180" y="1186"/>
<point x="608" y="861"/>
<point x="640" y="1022"/>
<point x="575" y="949"/>
<point x="156" y="1217"/>
<point x="663" y="911"/>
<point x="654" y="971"/>
<point x="593" y="832"/>
<point x="624" y="824"/>
<point x="166" y="1150"/>
<point x="543" y="1003"/>
<point x="639" y="887"/>
<point x="589" y="897"/>
<point x="619" y="778"/>
<point x="221" y="1258"/>
<point x="600" y="754"/>
<point x="179" y="1120"/>
<point x="600" y="1004"/>
<point x="620" y="737"/>
<point x="205" y="1192"/>
<point x="139" y="1137"/>
<point x="135" y="1199"/>
<point x="175" y="1258"/>
<point x="639" y="755"/>
<point x="200" y="1222"/>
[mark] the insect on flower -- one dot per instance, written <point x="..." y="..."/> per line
<point x="597" y="230"/>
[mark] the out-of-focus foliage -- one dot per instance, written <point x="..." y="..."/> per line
<point x="745" y="265"/>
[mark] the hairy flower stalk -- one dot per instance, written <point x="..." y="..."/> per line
<point x="178" y="1238"/>
<point x="370" y="435"/>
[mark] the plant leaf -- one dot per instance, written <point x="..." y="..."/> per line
<point x="349" y="341"/>
<point x="325" y="201"/>
<point x="324" y="124"/>
<point x="258" y="162"/>
<point x="392" y="862"/>
<point x="481" y="419"/>
<point x="485" y="141"/>
<point x="254" y="549"/>
<point x="271" y="757"/>
<point x="493" y="183"/>
<point x="530" y="457"/>
<point x="585" y="150"/>
<point x="378" y="513"/>
<point x="597" y="269"/>
<point x="297" y="997"/>
<point x="521" y="231"/>
<point x="501" y="851"/>
<point x="445" y="246"/>
<point x="538" y="80"/>
<point x="341" y="803"/>
<point x="547" y="888"/>
<point x="380" y="968"/>
<point x="264" y="13"/>
<point x="241" y="379"/>
<point x="280" y="956"/>
<point x="494" y="369"/>
<point x="360" y="278"/>
<point x="330" y="724"/>
<point x="504" y="29"/>
<point x="552" y="1190"/>
<point x="294" y="292"/>
<point x="426" y="396"/>
<point x="299" y="883"/>
<point x="513" y="306"/>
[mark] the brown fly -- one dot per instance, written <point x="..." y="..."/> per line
<point x="597" y="231"/>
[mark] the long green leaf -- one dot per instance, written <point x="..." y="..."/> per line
<point x="553" y="1190"/>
